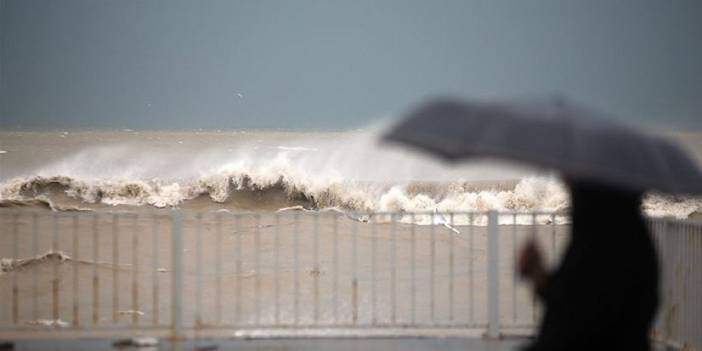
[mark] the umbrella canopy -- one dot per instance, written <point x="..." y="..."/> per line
<point x="580" y="143"/>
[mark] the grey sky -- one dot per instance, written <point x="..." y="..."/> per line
<point x="334" y="64"/>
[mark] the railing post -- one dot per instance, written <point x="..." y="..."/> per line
<point x="177" y="310"/>
<point x="493" y="331"/>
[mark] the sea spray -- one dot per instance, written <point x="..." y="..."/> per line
<point x="345" y="171"/>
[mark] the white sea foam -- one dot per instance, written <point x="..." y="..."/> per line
<point x="296" y="148"/>
<point x="130" y="313"/>
<point x="529" y="194"/>
<point x="48" y="323"/>
<point x="12" y="264"/>
<point x="343" y="173"/>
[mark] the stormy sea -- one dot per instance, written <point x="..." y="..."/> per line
<point x="269" y="170"/>
<point x="279" y="227"/>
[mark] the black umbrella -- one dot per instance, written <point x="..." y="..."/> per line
<point x="578" y="142"/>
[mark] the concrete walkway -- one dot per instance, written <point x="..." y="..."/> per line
<point x="399" y="344"/>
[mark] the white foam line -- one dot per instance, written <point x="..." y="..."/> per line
<point x="48" y="323"/>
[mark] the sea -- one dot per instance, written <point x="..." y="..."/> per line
<point x="272" y="228"/>
<point x="244" y="170"/>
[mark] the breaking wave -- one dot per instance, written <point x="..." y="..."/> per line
<point x="346" y="172"/>
<point x="9" y="265"/>
<point x="12" y="264"/>
<point x="246" y="192"/>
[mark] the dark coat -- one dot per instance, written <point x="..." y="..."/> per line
<point x="604" y="294"/>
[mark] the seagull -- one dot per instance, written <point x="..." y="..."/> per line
<point x="240" y="95"/>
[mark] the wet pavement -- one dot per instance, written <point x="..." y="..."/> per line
<point x="302" y="344"/>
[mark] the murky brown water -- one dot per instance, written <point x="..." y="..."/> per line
<point x="262" y="271"/>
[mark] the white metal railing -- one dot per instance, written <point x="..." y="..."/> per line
<point x="679" y="246"/>
<point x="179" y="272"/>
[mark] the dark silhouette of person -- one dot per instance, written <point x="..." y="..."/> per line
<point x="604" y="294"/>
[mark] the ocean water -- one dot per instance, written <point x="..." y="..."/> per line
<point x="316" y="262"/>
<point x="267" y="170"/>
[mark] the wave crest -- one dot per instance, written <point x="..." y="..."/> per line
<point x="271" y="192"/>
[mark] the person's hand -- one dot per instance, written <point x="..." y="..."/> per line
<point x="531" y="265"/>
